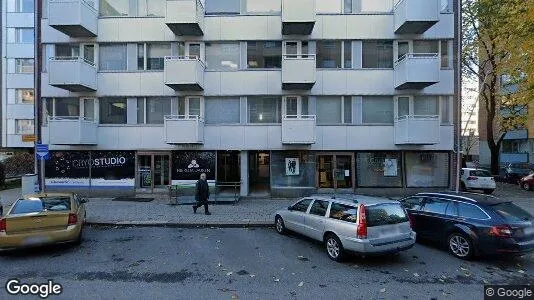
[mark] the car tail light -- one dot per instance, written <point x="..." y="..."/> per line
<point x="361" y="230"/>
<point x="73" y="219"/>
<point x="472" y="178"/>
<point x="412" y="222"/>
<point x="3" y="225"/>
<point x="504" y="231"/>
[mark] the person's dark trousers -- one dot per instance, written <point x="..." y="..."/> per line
<point x="202" y="203"/>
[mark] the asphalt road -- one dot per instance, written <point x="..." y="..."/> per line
<point x="213" y="263"/>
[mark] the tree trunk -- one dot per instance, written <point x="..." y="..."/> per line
<point x="495" y="153"/>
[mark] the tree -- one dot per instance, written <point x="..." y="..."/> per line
<point x="498" y="39"/>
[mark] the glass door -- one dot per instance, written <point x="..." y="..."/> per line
<point x="153" y="170"/>
<point x="343" y="172"/>
<point x="326" y="169"/>
<point x="161" y="170"/>
<point x="144" y="170"/>
<point x="335" y="171"/>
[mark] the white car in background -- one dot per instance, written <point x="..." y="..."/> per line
<point x="477" y="179"/>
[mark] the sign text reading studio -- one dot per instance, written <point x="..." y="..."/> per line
<point x="99" y="162"/>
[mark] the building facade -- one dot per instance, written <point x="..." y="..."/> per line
<point x="17" y="76"/>
<point x="282" y="97"/>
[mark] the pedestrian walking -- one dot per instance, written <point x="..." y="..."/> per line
<point x="202" y="194"/>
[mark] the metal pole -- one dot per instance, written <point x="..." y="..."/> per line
<point x="459" y="95"/>
<point x="43" y="186"/>
<point x="37" y="90"/>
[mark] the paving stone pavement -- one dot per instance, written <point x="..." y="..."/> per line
<point x="257" y="212"/>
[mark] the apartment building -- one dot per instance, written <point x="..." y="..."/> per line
<point x="17" y="76"/>
<point x="282" y="97"/>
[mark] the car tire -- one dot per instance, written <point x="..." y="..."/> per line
<point x="460" y="246"/>
<point x="488" y="192"/>
<point x="526" y="186"/>
<point x="279" y="225"/>
<point x="334" y="248"/>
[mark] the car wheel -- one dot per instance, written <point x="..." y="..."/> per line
<point x="460" y="246"/>
<point x="487" y="192"/>
<point x="334" y="248"/>
<point x="279" y="225"/>
<point x="526" y="186"/>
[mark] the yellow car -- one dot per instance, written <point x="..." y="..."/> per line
<point x="43" y="219"/>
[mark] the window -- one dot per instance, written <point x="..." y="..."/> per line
<point x="24" y="36"/>
<point x="264" y="55"/>
<point x="114" y="8"/>
<point x="328" y="6"/>
<point x="113" y="110"/>
<point x="334" y="110"/>
<point x="426" y="106"/>
<point x="41" y="204"/>
<point x="426" y="46"/>
<point x="264" y="109"/>
<point x="89" y="109"/>
<point x="445" y="54"/>
<point x="379" y="169"/>
<point x="65" y="51"/>
<point x="427" y="169"/>
<point x="480" y="173"/>
<point x="445" y="110"/>
<point x="222" y="7"/>
<point x="156" y="110"/>
<point x="377" y="54"/>
<point x="302" y="205"/>
<point x="319" y="208"/>
<point x="511" y="212"/>
<point x="112" y="57"/>
<point x="471" y="211"/>
<point x="403" y="106"/>
<point x="24" y="126"/>
<point x="385" y="214"/>
<point x="25" y="6"/>
<point x="377" y="110"/>
<point x="343" y="212"/>
<point x="334" y="54"/>
<point x="152" y="56"/>
<point x="347" y="6"/>
<point x="413" y="202"/>
<point x="24" y="96"/>
<point x="67" y="107"/>
<point x="190" y="106"/>
<point x="433" y="205"/>
<point x="222" y="56"/>
<point x="445" y="7"/>
<point x="151" y="8"/>
<point x="24" y="65"/>
<point x="222" y="110"/>
<point x="262" y="6"/>
<point x="376" y="5"/>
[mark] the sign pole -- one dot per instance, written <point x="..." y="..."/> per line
<point x="43" y="186"/>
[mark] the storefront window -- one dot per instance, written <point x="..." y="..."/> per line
<point x="379" y="169"/>
<point x="292" y="169"/>
<point x="427" y="169"/>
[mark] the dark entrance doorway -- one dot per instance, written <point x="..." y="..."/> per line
<point x="228" y="172"/>
<point x="259" y="172"/>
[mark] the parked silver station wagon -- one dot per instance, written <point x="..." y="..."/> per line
<point x="363" y="225"/>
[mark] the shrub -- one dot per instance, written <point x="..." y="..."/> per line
<point x="2" y="174"/>
<point x="19" y="164"/>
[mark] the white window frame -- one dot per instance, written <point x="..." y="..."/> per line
<point x="412" y="105"/>
<point x="299" y="47"/>
<point x="411" y="50"/>
<point x="342" y="116"/>
<point x="299" y="105"/>
<point x="18" y="35"/>
<point x="187" y="50"/>
<point x="186" y="108"/>
<point x="18" y="100"/>
<point x="342" y="45"/>
<point x="82" y="108"/>
<point x="24" y="133"/>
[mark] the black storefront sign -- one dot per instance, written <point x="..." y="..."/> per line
<point x="188" y="165"/>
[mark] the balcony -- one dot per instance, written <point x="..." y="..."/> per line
<point x="184" y="130"/>
<point x="298" y="130"/>
<point x="513" y="157"/>
<point x="417" y="71"/>
<point x="184" y="73"/>
<point x="519" y="134"/>
<point x="73" y="74"/>
<point x="298" y="72"/>
<point x="185" y="17"/>
<point x="416" y="16"/>
<point x="75" y="18"/>
<point x="298" y="17"/>
<point x="72" y="131"/>
<point x="417" y="130"/>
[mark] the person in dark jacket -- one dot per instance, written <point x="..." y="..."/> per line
<point x="202" y="194"/>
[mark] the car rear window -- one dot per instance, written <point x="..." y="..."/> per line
<point x="343" y="212"/>
<point x="511" y="212"/>
<point x="385" y="214"/>
<point x="42" y="204"/>
<point x="480" y="173"/>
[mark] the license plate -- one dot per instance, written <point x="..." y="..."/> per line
<point x="35" y="240"/>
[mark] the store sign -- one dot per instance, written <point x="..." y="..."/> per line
<point x="188" y="165"/>
<point x="292" y="167"/>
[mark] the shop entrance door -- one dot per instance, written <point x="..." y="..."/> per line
<point x="259" y="172"/>
<point x="335" y="172"/>
<point x="153" y="170"/>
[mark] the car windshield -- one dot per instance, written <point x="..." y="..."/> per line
<point x="33" y="205"/>
<point x="385" y="214"/>
<point x="511" y="212"/>
<point x="480" y="173"/>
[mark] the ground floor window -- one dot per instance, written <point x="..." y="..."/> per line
<point x="379" y="169"/>
<point x="292" y="169"/>
<point x="427" y="169"/>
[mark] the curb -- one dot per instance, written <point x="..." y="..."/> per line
<point x="179" y="225"/>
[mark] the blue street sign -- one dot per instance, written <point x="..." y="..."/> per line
<point x="42" y="151"/>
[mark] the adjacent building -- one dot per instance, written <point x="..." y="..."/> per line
<point x="17" y="75"/>
<point x="280" y="97"/>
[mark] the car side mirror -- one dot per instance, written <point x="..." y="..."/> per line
<point x="83" y="200"/>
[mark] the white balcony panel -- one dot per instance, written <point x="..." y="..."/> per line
<point x="75" y="18"/>
<point x="72" y="74"/>
<point x="416" y="16"/>
<point x="15" y="141"/>
<point x="185" y="17"/>
<point x="298" y="72"/>
<point x="299" y="130"/>
<point x="72" y="131"/>
<point x="354" y="82"/>
<point x="184" y="73"/>
<point x="298" y="17"/>
<point x="417" y="71"/>
<point x="19" y="111"/>
<point x="15" y="80"/>
<point x="417" y="130"/>
<point x="20" y="19"/>
<point x="20" y="50"/>
<point x="184" y="130"/>
<point x="258" y="82"/>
